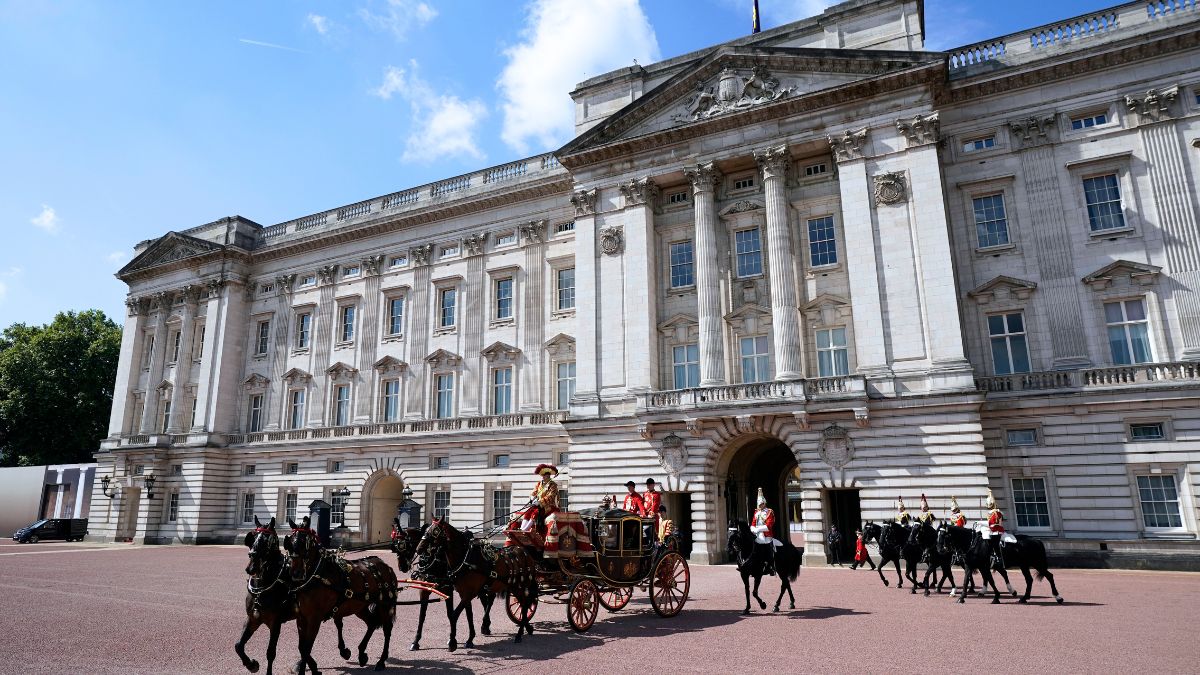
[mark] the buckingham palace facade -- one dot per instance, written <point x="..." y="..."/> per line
<point x="817" y="260"/>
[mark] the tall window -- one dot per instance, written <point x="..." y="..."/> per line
<point x="991" y="222"/>
<point x="193" y="404"/>
<point x="1128" y="331"/>
<point x="445" y="396"/>
<point x="566" y="288"/>
<point x="822" y="243"/>
<point x="173" y="508"/>
<point x="303" y="330"/>
<point x="686" y="362"/>
<point x="683" y="266"/>
<point x="198" y="343"/>
<point x="395" y="316"/>
<point x="148" y="358"/>
<point x="175" y="346"/>
<point x="441" y="504"/>
<point x="347" y="331"/>
<point x="256" y="412"/>
<point x="504" y="298"/>
<point x="289" y="505"/>
<point x="749" y="252"/>
<point x="1010" y="353"/>
<point x="1160" y="501"/>
<point x="264" y="337"/>
<point x="337" y="509"/>
<point x="248" y="507"/>
<point x="449" y="300"/>
<point x="502" y="391"/>
<point x="501" y="506"/>
<point x="1029" y="501"/>
<point x="832" y="355"/>
<point x="564" y="380"/>
<point x="296" y="409"/>
<point x="1103" y="202"/>
<point x="166" y="416"/>
<point x="755" y="364"/>
<point x="391" y="400"/>
<point x="341" y="405"/>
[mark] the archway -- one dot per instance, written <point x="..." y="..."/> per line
<point x="383" y="493"/>
<point x="761" y="462"/>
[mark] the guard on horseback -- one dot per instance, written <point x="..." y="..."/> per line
<point x="902" y="516"/>
<point x="763" y="527"/>
<point x="926" y="515"/>
<point x="995" y="531"/>
<point x="957" y="518"/>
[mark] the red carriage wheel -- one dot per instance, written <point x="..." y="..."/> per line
<point x="615" y="599"/>
<point x="582" y="605"/>
<point x="513" y="607"/>
<point x="669" y="585"/>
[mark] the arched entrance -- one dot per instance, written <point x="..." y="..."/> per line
<point x="383" y="492"/>
<point x="763" y="462"/>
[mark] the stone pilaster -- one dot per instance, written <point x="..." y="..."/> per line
<point x="473" y="305"/>
<point x="181" y="413"/>
<point x="215" y="323"/>
<point x="368" y="339"/>
<point x="162" y="303"/>
<point x="587" y="376"/>
<point x="640" y="284"/>
<point x="533" y="320"/>
<point x="324" y="328"/>
<point x="773" y="164"/>
<point x="704" y="179"/>
<point x="120" y="420"/>
<point x="418" y="334"/>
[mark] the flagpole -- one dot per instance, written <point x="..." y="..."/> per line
<point x="757" y="25"/>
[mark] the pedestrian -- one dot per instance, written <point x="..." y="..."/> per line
<point x="835" y="545"/>
<point x="860" y="553"/>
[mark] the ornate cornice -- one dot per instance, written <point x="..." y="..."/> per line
<point x="1033" y="131"/>
<point x="921" y="129"/>
<point x="1153" y="106"/>
<point x="284" y="282"/>
<point x="533" y="232"/>
<point x="327" y="274"/>
<point x="773" y="162"/>
<point x="732" y="92"/>
<point x="703" y="177"/>
<point x="848" y="146"/>
<point x="584" y="201"/>
<point x="420" y="254"/>
<point x="639" y="191"/>
<point x="372" y="265"/>
<point x="474" y="243"/>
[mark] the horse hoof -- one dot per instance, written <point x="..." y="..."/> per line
<point x="362" y="658"/>
<point x="995" y="601"/>
<point x="776" y="608"/>
<point x="1023" y="601"/>
<point x="345" y="652"/>
<point x="762" y="605"/>
<point x="962" y="600"/>
<point x="452" y="645"/>
<point x="927" y="592"/>
<point x="745" y="612"/>
<point x="485" y="631"/>
<point x="792" y="605"/>
<point x="253" y="665"/>
<point x="885" y="582"/>
<point x="380" y="666"/>
<point x="416" y="646"/>
<point x="1058" y="599"/>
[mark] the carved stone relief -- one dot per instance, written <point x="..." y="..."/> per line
<point x="848" y="146"/>
<point x="1033" y="130"/>
<point x="921" y="129"/>
<point x="835" y="447"/>
<point x="584" y="201"/>
<point x="773" y="162"/>
<point x="638" y="191"/>
<point x="533" y="232"/>
<point x="420" y="255"/>
<point x="672" y="453"/>
<point x="890" y="188"/>
<point x="703" y="176"/>
<point x="372" y="264"/>
<point x="1154" y="105"/>
<point x="733" y="91"/>
<point x="474" y="243"/>
<point x="611" y="240"/>
<point x="327" y="274"/>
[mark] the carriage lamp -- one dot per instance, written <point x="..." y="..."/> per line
<point x="407" y="492"/>
<point x="106" y="488"/>
<point x="344" y="492"/>
<point x="149" y="486"/>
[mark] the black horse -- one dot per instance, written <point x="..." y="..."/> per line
<point x="1025" y="553"/>
<point x="924" y="536"/>
<point x="893" y="540"/>
<point x="972" y="549"/>
<point x="752" y="558"/>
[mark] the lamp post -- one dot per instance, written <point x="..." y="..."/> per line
<point x="106" y="487"/>
<point x="149" y="481"/>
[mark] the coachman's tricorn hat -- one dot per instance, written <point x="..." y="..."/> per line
<point x="543" y="469"/>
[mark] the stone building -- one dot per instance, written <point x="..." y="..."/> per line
<point x="817" y="260"/>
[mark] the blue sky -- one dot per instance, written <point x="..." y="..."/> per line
<point x="122" y="120"/>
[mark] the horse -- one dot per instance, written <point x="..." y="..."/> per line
<point x="893" y="545"/>
<point x="970" y="546"/>
<point x="751" y="560"/>
<point x="268" y="595"/>
<point x="924" y="537"/>
<point x="404" y="545"/>
<point x="446" y="555"/>
<point x="327" y="587"/>
<point x="1025" y="553"/>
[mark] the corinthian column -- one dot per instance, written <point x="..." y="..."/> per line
<point x="180" y="418"/>
<point x="704" y="178"/>
<point x="773" y="163"/>
<point x="158" y="357"/>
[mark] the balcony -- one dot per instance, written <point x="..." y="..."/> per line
<point x="756" y="393"/>
<point x="539" y="419"/>
<point x="1184" y="373"/>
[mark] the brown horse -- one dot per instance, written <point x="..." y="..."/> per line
<point x="268" y="595"/>
<point x="326" y="586"/>
<point x="404" y="544"/>
<point x="473" y="567"/>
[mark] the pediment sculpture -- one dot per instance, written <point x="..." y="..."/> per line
<point x="733" y="91"/>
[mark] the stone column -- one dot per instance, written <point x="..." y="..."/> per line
<point x="473" y="305"/>
<point x="640" y="282"/>
<point x="587" y="283"/>
<point x="533" y="319"/>
<point x="704" y="178"/>
<point x="213" y="329"/>
<point x="181" y="418"/>
<point x="773" y="163"/>
<point x="324" y="328"/>
<point x="368" y="340"/>
<point x="129" y="367"/>
<point x="162" y="301"/>
<point x="418" y="334"/>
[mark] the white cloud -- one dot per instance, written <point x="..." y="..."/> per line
<point x="270" y="45"/>
<point x="46" y="220"/>
<point x="564" y="43"/>
<point x="319" y="23"/>
<point x="443" y="125"/>
<point x="398" y="17"/>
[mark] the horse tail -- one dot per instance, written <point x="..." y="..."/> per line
<point x="1040" y="559"/>
<point x="790" y="562"/>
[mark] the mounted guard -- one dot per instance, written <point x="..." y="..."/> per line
<point x="763" y="527"/>
<point x="902" y="516"/>
<point x="957" y="518"/>
<point x="926" y="515"/>
<point x="995" y="525"/>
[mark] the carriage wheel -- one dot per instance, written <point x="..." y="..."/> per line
<point x="669" y="585"/>
<point x="582" y="606"/>
<point x="615" y="599"/>
<point x="513" y="606"/>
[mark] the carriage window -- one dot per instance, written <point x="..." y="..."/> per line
<point x="609" y="535"/>
<point x="632" y="535"/>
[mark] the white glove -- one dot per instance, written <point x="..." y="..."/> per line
<point x="758" y="529"/>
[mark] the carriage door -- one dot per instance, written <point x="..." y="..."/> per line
<point x="842" y="509"/>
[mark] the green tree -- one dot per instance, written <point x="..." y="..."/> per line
<point x="56" y="384"/>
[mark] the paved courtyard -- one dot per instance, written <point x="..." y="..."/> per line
<point x="128" y="609"/>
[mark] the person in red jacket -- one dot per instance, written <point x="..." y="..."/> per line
<point x="956" y="515"/>
<point x="995" y="530"/>
<point x="651" y="500"/>
<point x="763" y="527"/>
<point x="861" y="556"/>
<point x="633" y="501"/>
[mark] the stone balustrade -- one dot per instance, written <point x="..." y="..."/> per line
<point x="398" y="428"/>
<point x="1146" y="374"/>
<point x="725" y="395"/>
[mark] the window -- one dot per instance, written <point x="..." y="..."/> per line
<point x="564" y="458"/>
<point x="685" y="360"/>
<point x="264" y="336"/>
<point x="176" y="469"/>
<point x="755" y="366"/>
<point x="979" y="144"/>
<point x="1029" y="501"/>
<point x="296" y="405"/>
<point x="194" y="401"/>
<point x="139" y="469"/>
<point x="504" y="298"/>
<point x="289" y="506"/>
<point x="564" y="376"/>
<point x="336" y="466"/>
<point x="449" y="298"/>
<point x="347" y="323"/>
<point x="822" y="244"/>
<point x="249" y="470"/>
<point x="1020" y="437"/>
<point x="832" y="355"/>
<point x="1010" y="353"/>
<point x="683" y="269"/>
<point x="337" y="509"/>
<point x="680" y="197"/>
<point x="198" y="343"/>
<point x="560" y="228"/>
<point x="499" y="461"/>
<point x="256" y="413"/>
<point x="178" y="339"/>
<point x="173" y="508"/>
<point x="441" y="462"/>
<point x="1103" y="197"/>
<point x="391" y="400"/>
<point x="1160" y="501"/>
<point x="351" y="271"/>
<point x="166" y="416"/>
<point x="564" y="499"/>
<point x="308" y="280"/>
<point x="1147" y="431"/>
<point x="341" y="405"/>
<point x="303" y="330"/>
<point x="441" y="504"/>
<point x="566" y="288"/>
<point x="395" y="316"/>
<point x="449" y="250"/>
<point x="1128" y="331"/>
<point x="749" y="252"/>
<point x="991" y="222"/>
<point x="445" y="396"/>
<point x="149" y="356"/>
<point x="502" y="391"/>
<point x="816" y="169"/>
<point x="501" y="506"/>
<point x="248" y="507"/>
<point x="293" y="468"/>
<point x="743" y="183"/>
<point x="399" y="261"/>
<point x="1089" y="121"/>
<point x="507" y="239"/>
<point x="266" y="288"/>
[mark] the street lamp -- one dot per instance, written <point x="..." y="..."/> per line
<point x="106" y="487"/>
<point x="149" y="486"/>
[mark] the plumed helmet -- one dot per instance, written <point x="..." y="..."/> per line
<point x="954" y="504"/>
<point x="924" y="502"/>
<point x="900" y="503"/>
<point x="762" y="499"/>
<point x="543" y="469"/>
<point x="991" y="500"/>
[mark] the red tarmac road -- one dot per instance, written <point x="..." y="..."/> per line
<point x="129" y="609"/>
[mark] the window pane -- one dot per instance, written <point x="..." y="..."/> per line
<point x="749" y="252"/>
<point x="1139" y="338"/>
<point x="1119" y="346"/>
<point x="566" y="288"/>
<point x="991" y="223"/>
<point x="838" y="337"/>
<point x="1135" y="310"/>
<point x="822" y="243"/>
<point x="825" y="364"/>
<point x="1020" y="354"/>
<point x="1112" y="312"/>
<point x="1000" y="361"/>
<point x="822" y="339"/>
<point x="682" y="265"/>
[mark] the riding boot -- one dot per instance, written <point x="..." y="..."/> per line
<point x="997" y="560"/>
<point x="769" y="568"/>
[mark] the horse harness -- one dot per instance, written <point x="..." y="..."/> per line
<point x="339" y="580"/>
<point x="487" y="560"/>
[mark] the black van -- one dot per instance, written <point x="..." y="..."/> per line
<point x="70" y="529"/>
